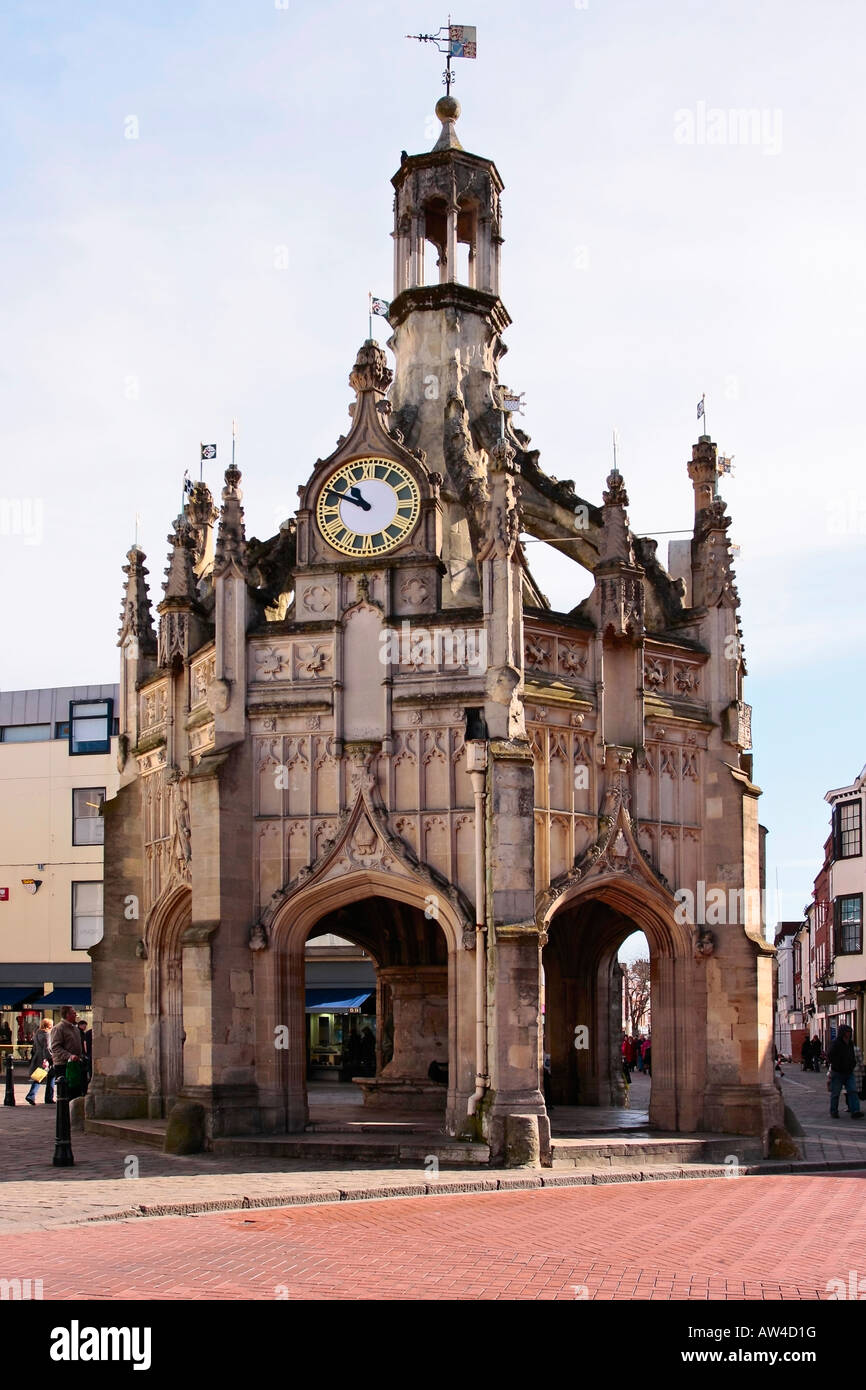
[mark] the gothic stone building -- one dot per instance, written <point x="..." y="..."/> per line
<point x="374" y="724"/>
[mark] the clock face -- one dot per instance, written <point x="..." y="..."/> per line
<point x="368" y="507"/>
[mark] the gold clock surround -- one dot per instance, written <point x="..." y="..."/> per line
<point x="380" y="475"/>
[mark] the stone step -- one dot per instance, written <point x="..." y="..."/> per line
<point x="148" y="1132"/>
<point x="642" y="1150"/>
<point x="367" y="1148"/>
<point x="372" y="1127"/>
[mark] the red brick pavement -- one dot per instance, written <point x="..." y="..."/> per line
<point x="743" y="1239"/>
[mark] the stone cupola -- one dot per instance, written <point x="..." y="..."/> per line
<point x="446" y="198"/>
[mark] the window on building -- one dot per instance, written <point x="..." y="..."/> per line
<point x="847" y="835"/>
<point x="87" y="823"/>
<point x="90" y="724"/>
<point x="61" y="730"/>
<point x="86" y="914"/>
<point x="26" y="733"/>
<point x="849" y="924"/>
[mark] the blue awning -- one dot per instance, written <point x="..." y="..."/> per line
<point x="16" y="996"/>
<point x="76" y="995"/>
<point x="336" y="1001"/>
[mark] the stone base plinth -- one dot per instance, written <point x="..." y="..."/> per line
<point x="734" y="1109"/>
<point x="382" y="1093"/>
<point x="117" y="1105"/>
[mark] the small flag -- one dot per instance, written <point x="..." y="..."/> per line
<point x="462" y="41"/>
<point x="380" y="307"/>
<point x="701" y="407"/>
<point x="513" y="403"/>
<point x="187" y="484"/>
<point x="208" y="451"/>
<point x="724" y="464"/>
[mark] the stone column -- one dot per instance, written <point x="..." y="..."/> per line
<point x="119" y="1086"/>
<point x="419" y="997"/>
<point x="451" y="243"/>
<point x="518" y="1129"/>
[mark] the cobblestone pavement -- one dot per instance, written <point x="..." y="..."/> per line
<point x="103" y="1185"/>
<point x="748" y="1239"/>
<point x="841" y="1140"/>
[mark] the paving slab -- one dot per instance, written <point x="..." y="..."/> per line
<point x="117" y="1179"/>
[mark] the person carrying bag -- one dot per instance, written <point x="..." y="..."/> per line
<point x="40" y="1065"/>
<point x="67" y="1050"/>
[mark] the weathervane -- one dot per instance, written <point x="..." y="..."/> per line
<point x="459" y="41"/>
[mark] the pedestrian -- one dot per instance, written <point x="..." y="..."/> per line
<point x="67" y="1049"/>
<point x="87" y="1043"/>
<point x="648" y="1057"/>
<point x="843" y="1061"/>
<point x="858" y="1077"/>
<point x="40" y="1061"/>
<point x="806" y="1054"/>
<point x="626" y="1053"/>
<point x="545" y="1081"/>
<point x="639" y="1052"/>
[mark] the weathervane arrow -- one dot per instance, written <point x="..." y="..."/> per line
<point x="459" y="42"/>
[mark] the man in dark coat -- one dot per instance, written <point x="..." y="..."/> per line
<point x="842" y="1064"/>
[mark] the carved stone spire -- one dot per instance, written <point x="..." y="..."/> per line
<point x="231" y="546"/>
<point x="712" y="566"/>
<point x="202" y="514"/>
<point x="180" y="627"/>
<point x="619" y="580"/>
<point x="703" y="472"/>
<point x="616" y="537"/>
<point x="135" y="616"/>
<point x="371" y="371"/>
<point x="180" y="582"/>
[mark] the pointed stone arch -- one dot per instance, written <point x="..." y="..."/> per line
<point x="364" y="861"/>
<point x="164" y="928"/>
<point x="614" y="872"/>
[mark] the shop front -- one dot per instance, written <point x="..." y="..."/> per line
<point x="341" y="1034"/>
<point x="24" y="1005"/>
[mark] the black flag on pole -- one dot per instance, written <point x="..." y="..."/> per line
<point x="208" y="451"/>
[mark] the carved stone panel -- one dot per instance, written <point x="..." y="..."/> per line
<point x="316" y="597"/>
<point x="414" y="591"/>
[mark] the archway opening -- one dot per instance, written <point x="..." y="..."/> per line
<point x="588" y="1089"/>
<point x="384" y="1052"/>
<point x="633" y="957"/>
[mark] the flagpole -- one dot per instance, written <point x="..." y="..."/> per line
<point x="234" y="438"/>
<point x="370" y="314"/>
<point x="615" y="468"/>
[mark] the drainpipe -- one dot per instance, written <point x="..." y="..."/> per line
<point x="476" y="766"/>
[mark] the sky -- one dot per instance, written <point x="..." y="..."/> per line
<point x="197" y="200"/>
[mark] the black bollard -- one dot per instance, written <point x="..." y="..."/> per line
<point x="9" y="1098"/>
<point x="63" y="1155"/>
